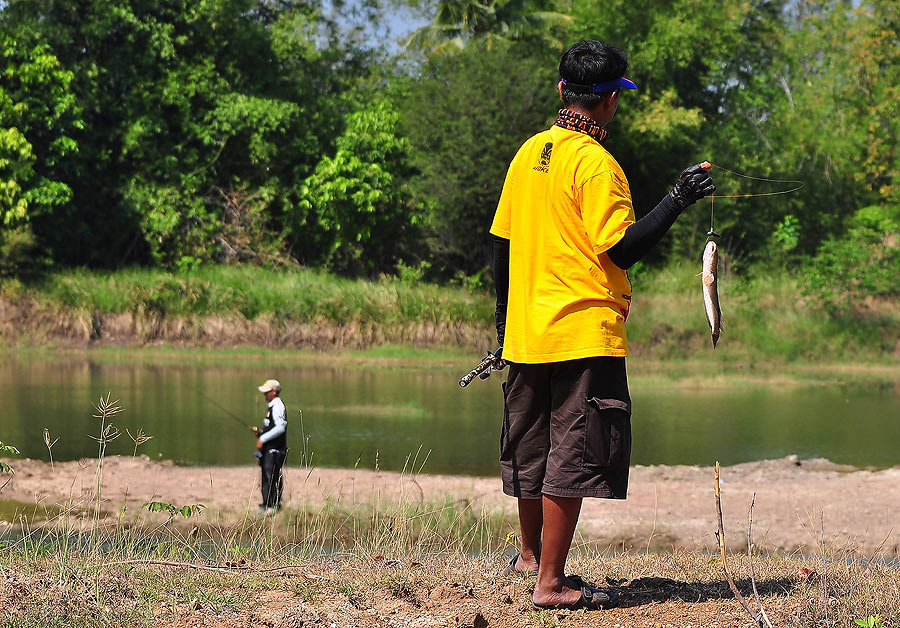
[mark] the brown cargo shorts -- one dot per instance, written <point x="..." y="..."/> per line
<point x="566" y="429"/>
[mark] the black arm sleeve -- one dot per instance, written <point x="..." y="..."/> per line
<point x="501" y="283"/>
<point x="643" y="235"/>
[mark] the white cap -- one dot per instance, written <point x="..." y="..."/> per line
<point x="271" y="384"/>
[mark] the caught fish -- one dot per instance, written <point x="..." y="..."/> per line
<point x="710" y="290"/>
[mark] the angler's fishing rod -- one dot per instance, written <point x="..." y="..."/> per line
<point x="490" y="362"/>
<point x="223" y="408"/>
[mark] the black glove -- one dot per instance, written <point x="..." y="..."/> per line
<point x="693" y="184"/>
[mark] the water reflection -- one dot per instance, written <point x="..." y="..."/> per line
<point x="402" y="417"/>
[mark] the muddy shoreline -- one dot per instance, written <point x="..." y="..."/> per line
<point x="668" y="507"/>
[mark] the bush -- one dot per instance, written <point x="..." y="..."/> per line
<point x="864" y="262"/>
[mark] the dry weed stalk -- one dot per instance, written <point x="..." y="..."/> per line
<point x="50" y="443"/>
<point x="759" y="605"/>
<point x="5" y="468"/>
<point x="824" y="571"/>
<point x="139" y="439"/>
<point x="106" y="409"/>
<point x="760" y="615"/>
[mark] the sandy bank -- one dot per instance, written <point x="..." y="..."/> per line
<point x="667" y="506"/>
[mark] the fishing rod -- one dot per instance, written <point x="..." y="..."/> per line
<point x="224" y="409"/>
<point x="490" y="362"/>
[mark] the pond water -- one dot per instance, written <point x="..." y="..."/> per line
<point x="414" y="418"/>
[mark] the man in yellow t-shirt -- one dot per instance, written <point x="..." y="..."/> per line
<point x="564" y="235"/>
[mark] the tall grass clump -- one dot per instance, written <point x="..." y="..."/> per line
<point x="769" y="314"/>
<point x="766" y="316"/>
<point x="86" y="536"/>
<point x="299" y="294"/>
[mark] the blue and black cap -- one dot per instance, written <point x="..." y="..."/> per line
<point x="600" y="88"/>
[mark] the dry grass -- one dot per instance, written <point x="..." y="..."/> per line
<point x="370" y="585"/>
<point x="393" y="561"/>
<point x="396" y="560"/>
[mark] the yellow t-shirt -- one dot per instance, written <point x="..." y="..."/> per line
<point x="565" y="202"/>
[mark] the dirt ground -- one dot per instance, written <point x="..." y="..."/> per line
<point x="797" y="501"/>
<point x="671" y="509"/>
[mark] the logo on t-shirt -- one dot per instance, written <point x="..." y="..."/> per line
<point x="544" y="159"/>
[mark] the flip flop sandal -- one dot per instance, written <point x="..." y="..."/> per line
<point x="592" y="598"/>
<point x="511" y="567"/>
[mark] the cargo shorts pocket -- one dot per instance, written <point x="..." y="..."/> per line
<point x="607" y="443"/>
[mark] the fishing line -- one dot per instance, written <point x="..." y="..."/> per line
<point x="220" y="406"/>
<point x="712" y="202"/>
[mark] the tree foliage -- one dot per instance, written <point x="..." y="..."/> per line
<point x="357" y="212"/>
<point x="183" y="104"/>
<point x="490" y="22"/>
<point x="466" y="115"/>
<point x="37" y="117"/>
<point x="864" y="261"/>
<point x="173" y="134"/>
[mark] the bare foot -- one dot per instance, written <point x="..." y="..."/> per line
<point x="563" y="591"/>
<point x="526" y="564"/>
<point x="583" y="595"/>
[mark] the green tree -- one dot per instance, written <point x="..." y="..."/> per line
<point x="863" y="262"/>
<point x="191" y="111"/>
<point x="466" y="114"/>
<point x="799" y="120"/>
<point x="824" y="111"/>
<point x="457" y="22"/>
<point x="358" y="214"/>
<point x="876" y="93"/>
<point x="37" y="119"/>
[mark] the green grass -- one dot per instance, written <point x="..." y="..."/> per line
<point x="768" y="320"/>
<point x="377" y="356"/>
<point x="299" y="294"/>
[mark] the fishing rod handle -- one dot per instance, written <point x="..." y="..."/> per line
<point x="484" y="365"/>
<point x="483" y="369"/>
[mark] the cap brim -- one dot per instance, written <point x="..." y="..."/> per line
<point x="601" y="88"/>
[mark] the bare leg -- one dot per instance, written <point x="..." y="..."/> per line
<point x="531" y="521"/>
<point x="560" y="515"/>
